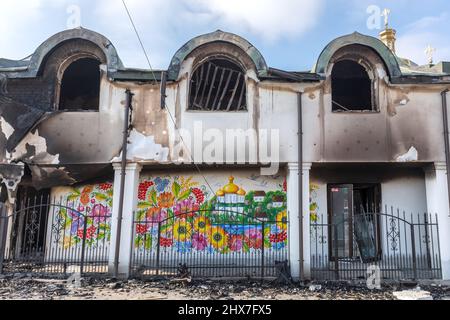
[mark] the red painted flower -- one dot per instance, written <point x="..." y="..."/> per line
<point x="199" y="195"/>
<point x="143" y="188"/>
<point x="105" y="186"/>
<point x="165" y="242"/>
<point x="141" y="229"/>
<point x="90" y="233"/>
<point x="279" y="237"/>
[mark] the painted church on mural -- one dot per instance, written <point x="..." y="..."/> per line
<point x="97" y="178"/>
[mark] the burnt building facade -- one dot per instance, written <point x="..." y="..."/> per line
<point x="359" y="145"/>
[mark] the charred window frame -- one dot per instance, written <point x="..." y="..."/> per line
<point x="218" y="84"/>
<point x="78" y="84"/>
<point x="353" y="85"/>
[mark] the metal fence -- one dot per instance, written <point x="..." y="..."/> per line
<point x="403" y="246"/>
<point x="54" y="239"/>
<point x="210" y="244"/>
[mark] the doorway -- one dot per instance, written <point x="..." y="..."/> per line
<point x="354" y="228"/>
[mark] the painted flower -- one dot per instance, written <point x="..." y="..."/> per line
<point x="181" y="230"/>
<point x="161" y="184"/>
<point x="202" y="224"/>
<point x="218" y="238"/>
<point x="199" y="195"/>
<point x="253" y="238"/>
<point x="279" y="237"/>
<point x="166" y="200"/>
<point x="105" y="186"/>
<point x="143" y="188"/>
<point x="87" y="189"/>
<point x="68" y="242"/>
<point x="236" y="242"/>
<point x="90" y="233"/>
<point x="165" y="242"/>
<point x="85" y="198"/>
<point x="155" y="215"/>
<point x="100" y="213"/>
<point x="141" y="229"/>
<point x="186" y="208"/>
<point x="282" y="219"/>
<point x="199" y="242"/>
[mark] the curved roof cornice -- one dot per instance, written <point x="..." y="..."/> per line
<point x="377" y="45"/>
<point x="34" y="64"/>
<point x="217" y="36"/>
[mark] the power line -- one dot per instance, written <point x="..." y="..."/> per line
<point x="165" y="105"/>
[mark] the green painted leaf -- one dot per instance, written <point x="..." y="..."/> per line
<point x="144" y="205"/>
<point x="148" y="243"/>
<point x="153" y="197"/>
<point x="176" y="188"/>
<point x="185" y="195"/>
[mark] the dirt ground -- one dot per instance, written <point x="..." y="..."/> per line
<point x="23" y="287"/>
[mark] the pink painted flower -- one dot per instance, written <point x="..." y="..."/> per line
<point x="236" y="242"/>
<point x="100" y="213"/>
<point x="199" y="242"/>
<point x="155" y="215"/>
<point x="254" y="238"/>
<point x="186" y="207"/>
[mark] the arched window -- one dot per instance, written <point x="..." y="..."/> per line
<point x="218" y="85"/>
<point x="80" y="86"/>
<point x="352" y="88"/>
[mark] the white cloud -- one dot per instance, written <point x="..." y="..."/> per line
<point x="19" y="18"/>
<point x="268" y="19"/>
<point x="162" y="22"/>
<point x="426" y="31"/>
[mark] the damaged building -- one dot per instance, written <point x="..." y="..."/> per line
<point x="363" y="157"/>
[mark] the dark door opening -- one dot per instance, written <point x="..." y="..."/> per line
<point x="30" y="223"/>
<point x="354" y="230"/>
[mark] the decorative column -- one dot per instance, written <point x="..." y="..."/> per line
<point x="306" y="222"/>
<point x="438" y="203"/>
<point x="297" y="236"/>
<point x="133" y="171"/>
<point x="293" y="172"/>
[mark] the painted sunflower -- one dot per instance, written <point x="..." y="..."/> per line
<point x="282" y="220"/>
<point x="182" y="230"/>
<point x="201" y="224"/>
<point x="218" y="238"/>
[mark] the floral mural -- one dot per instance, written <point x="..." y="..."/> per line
<point x="186" y="216"/>
<point x="85" y="214"/>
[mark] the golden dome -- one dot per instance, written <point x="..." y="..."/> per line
<point x="241" y="192"/>
<point x="231" y="188"/>
<point x="220" y="193"/>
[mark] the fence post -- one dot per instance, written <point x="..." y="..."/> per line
<point x="158" y="249"/>
<point x="262" y="252"/>
<point x="336" y="250"/>
<point x="83" y="246"/>
<point x="3" y="235"/>
<point x="413" y="246"/>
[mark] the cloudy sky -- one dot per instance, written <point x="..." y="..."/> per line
<point x="289" y="33"/>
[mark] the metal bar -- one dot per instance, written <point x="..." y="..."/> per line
<point x="3" y="235"/>
<point x="222" y="74"/>
<point x="262" y="254"/>
<point x="158" y="248"/>
<point x="225" y="89"/>
<point x="122" y="180"/>
<point x="238" y="80"/>
<point x="413" y="245"/>
<point x="211" y="87"/>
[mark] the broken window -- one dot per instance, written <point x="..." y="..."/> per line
<point x="80" y="86"/>
<point x="351" y="87"/>
<point x="218" y="85"/>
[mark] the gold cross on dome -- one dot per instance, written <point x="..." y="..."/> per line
<point x="386" y="12"/>
<point x="429" y="51"/>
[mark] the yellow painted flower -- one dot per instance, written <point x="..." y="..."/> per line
<point x="181" y="230"/>
<point x="68" y="242"/>
<point x="282" y="219"/>
<point x="201" y="224"/>
<point x="218" y="238"/>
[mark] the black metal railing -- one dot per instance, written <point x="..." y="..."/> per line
<point x="403" y="246"/>
<point x="54" y="239"/>
<point x="208" y="244"/>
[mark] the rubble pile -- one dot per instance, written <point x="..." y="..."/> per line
<point x="24" y="287"/>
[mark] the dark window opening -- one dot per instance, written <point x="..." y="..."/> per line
<point x="80" y="86"/>
<point x="218" y="85"/>
<point x="351" y="87"/>
<point x="354" y="226"/>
